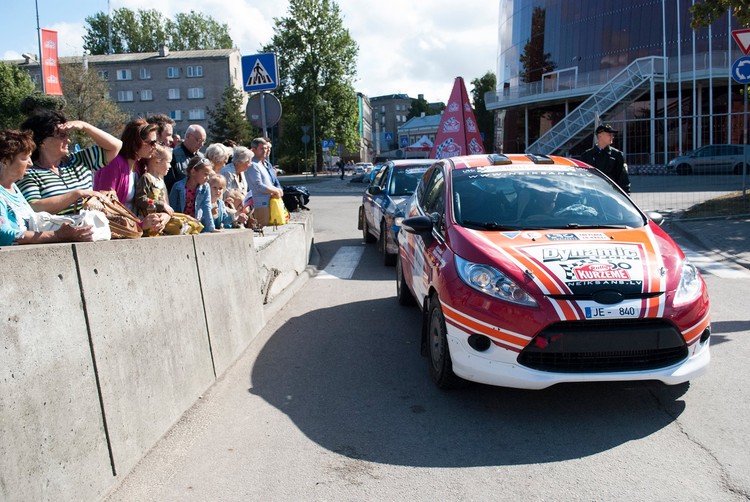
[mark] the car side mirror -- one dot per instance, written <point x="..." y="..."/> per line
<point x="655" y="217"/>
<point x="375" y="190"/>
<point x="419" y="225"/>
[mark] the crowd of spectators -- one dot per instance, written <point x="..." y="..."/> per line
<point x="152" y="172"/>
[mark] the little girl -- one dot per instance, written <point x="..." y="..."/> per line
<point x="222" y="219"/>
<point x="192" y="195"/>
<point x="151" y="185"/>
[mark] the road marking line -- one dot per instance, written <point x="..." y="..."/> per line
<point x="709" y="265"/>
<point x="343" y="263"/>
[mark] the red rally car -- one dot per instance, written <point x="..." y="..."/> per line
<point x="536" y="270"/>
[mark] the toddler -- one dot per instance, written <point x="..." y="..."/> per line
<point x="151" y="185"/>
<point x="222" y="219"/>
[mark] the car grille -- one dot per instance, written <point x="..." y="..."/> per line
<point x="605" y="346"/>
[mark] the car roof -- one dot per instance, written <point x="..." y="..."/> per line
<point x="512" y="159"/>
<point x="412" y="162"/>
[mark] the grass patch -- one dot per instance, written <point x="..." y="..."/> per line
<point x="731" y="204"/>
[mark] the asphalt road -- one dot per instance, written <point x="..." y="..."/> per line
<point x="333" y="402"/>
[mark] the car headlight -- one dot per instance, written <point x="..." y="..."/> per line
<point x="491" y="281"/>
<point x="689" y="288"/>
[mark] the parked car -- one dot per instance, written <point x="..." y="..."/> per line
<point x="363" y="167"/>
<point x="384" y="200"/>
<point x="713" y="159"/>
<point x="532" y="271"/>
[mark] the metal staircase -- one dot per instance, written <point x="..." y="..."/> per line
<point x="635" y="77"/>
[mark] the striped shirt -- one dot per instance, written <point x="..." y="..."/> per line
<point x="75" y="173"/>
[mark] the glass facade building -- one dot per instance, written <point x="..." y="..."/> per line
<point x="554" y="55"/>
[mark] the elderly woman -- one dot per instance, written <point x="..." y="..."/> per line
<point x="15" y="211"/>
<point x="218" y="154"/>
<point x="234" y="173"/>
<point x="58" y="179"/>
<point x="121" y="175"/>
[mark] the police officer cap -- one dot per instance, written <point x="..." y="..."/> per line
<point x="605" y="128"/>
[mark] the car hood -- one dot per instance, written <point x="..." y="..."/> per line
<point x="634" y="262"/>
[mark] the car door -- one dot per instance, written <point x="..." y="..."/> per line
<point x="426" y="252"/>
<point x="705" y="159"/>
<point x="374" y="211"/>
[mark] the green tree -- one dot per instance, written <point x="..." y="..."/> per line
<point x="15" y="85"/>
<point x="707" y="11"/>
<point x="147" y="30"/>
<point x="197" y="31"/>
<point x="485" y="118"/>
<point x="40" y="101"/>
<point x="534" y="60"/>
<point x="317" y="60"/>
<point x="420" y="106"/>
<point x="227" y="120"/>
<point x="87" y="99"/>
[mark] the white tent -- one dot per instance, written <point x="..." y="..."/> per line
<point x="422" y="143"/>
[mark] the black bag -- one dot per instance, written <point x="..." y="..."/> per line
<point x="296" y="197"/>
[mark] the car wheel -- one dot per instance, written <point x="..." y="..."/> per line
<point x="684" y="169"/>
<point x="366" y="235"/>
<point x="738" y="169"/>
<point x="389" y="259"/>
<point x="441" y="366"/>
<point x="405" y="297"/>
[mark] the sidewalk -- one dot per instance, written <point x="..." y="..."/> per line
<point x="728" y="237"/>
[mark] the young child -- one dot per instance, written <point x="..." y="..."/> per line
<point x="151" y="185"/>
<point x="222" y="219"/>
<point x="192" y="195"/>
<point x="242" y="214"/>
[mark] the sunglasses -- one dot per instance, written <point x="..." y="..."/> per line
<point x="153" y="142"/>
<point x="61" y="134"/>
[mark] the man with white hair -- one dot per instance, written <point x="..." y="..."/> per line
<point x="195" y="137"/>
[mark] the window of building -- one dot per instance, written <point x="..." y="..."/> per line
<point x="197" y="114"/>
<point x="124" y="75"/>
<point x="145" y="73"/>
<point x="103" y="74"/>
<point x="176" y="115"/>
<point x="124" y="96"/>
<point x="195" y="93"/>
<point x="173" y="72"/>
<point x="195" y="71"/>
<point x="147" y="95"/>
<point x="174" y="93"/>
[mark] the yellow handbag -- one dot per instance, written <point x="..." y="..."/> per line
<point x="279" y="214"/>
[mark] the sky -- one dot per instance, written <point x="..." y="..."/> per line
<point x="405" y="47"/>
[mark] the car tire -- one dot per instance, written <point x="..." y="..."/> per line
<point x="441" y="366"/>
<point x="405" y="298"/>
<point x="389" y="259"/>
<point x="738" y="169"/>
<point x="366" y="235"/>
<point x="684" y="169"/>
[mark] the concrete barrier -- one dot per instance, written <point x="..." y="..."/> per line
<point x="52" y="440"/>
<point x="106" y="345"/>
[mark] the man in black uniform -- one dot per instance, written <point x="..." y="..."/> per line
<point x="608" y="160"/>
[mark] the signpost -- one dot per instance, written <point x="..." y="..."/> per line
<point x="741" y="75"/>
<point x="259" y="74"/>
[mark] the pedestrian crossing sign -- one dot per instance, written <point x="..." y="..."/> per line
<point x="260" y="72"/>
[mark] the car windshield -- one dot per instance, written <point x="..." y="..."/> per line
<point x="404" y="180"/>
<point x="539" y="197"/>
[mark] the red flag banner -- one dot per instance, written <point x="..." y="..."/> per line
<point x="458" y="133"/>
<point x="50" y="69"/>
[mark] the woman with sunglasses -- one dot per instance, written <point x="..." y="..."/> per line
<point x="58" y="179"/>
<point x="122" y="173"/>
